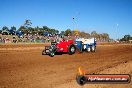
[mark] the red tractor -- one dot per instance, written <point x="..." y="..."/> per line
<point x="64" y="46"/>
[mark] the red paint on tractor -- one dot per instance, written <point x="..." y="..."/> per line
<point x="63" y="45"/>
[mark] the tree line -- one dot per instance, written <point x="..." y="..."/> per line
<point x="98" y="36"/>
<point x="126" y="38"/>
<point x="27" y="28"/>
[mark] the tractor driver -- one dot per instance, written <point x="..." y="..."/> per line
<point x="62" y="39"/>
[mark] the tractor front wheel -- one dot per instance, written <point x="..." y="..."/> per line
<point x="71" y="49"/>
<point x="52" y="54"/>
<point x="43" y="52"/>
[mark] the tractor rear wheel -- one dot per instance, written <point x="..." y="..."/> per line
<point x="71" y="49"/>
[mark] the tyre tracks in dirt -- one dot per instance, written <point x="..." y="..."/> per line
<point x="29" y="68"/>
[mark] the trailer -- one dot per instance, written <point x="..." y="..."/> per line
<point x="86" y="44"/>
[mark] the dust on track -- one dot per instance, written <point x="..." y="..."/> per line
<point x="29" y="68"/>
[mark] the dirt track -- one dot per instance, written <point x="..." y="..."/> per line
<point x="28" y="68"/>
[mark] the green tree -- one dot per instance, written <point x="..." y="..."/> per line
<point x="31" y="30"/>
<point x="13" y="28"/>
<point x="84" y="35"/>
<point x="99" y="36"/>
<point x="62" y="33"/>
<point x="57" y="31"/>
<point x="68" y="32"/>
<point x="22" y="28"/>
<point x="94" y="34"/>
<point x="27" y="23"/>
<point x="126" y="38"/>
<point x="45" y="28"/>
<point x="0" y="31"/>
<point x="87" y="35"/>
<point x="105" y="36"/>
<point x="5" y="30"/>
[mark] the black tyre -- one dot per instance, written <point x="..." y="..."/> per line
<point x="52" y="54"/>
<point x="43" y="52"/>
<point x="93" y="48"/>
<point x="71" y="49"/>
<point x="88" y="49"/>
<point x="81" y="80"/>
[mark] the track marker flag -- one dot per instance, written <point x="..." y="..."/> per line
<point x="83" y="78"/>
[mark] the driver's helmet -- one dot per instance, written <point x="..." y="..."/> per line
<point x="63" y="39"/>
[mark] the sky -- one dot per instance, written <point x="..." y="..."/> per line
<point x="103" y="16"/>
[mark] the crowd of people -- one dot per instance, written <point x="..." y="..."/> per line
<point x="28" y="38"/>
